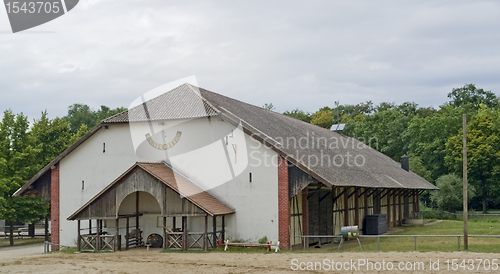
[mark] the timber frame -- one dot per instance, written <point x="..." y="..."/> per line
<point x="177" y="197"/>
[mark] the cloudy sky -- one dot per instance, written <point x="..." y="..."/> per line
<point x="294" y="54"/>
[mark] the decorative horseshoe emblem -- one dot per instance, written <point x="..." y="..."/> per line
<point x="163" y="146"/>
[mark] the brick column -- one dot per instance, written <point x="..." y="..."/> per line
<point x="54" y="206"/>
<point x="305" y="216"/>
<point x="283" y="204"/>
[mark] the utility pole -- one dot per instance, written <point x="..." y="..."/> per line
<point x="465" y="214"/>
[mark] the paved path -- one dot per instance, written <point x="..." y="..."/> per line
<point x="21" y="251"/>
<point x="433" y="223"/>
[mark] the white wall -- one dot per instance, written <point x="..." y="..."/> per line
<point x="202" y="153"/>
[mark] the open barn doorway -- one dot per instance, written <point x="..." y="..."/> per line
<point x="139" y="216"/>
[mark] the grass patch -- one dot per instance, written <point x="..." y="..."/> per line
<point x="446" y="227"/>
<point x="23" y="241"/>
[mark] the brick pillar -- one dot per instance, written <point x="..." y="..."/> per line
<point x="283" y="204"/>
<point x="305" y="216"/>
<point x="54" y="206"/>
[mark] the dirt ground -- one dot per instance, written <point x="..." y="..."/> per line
<point x="142" y="261"/>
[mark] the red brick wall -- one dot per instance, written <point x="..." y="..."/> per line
<point x="54" y="206"/>
<point x="283" y="204"/>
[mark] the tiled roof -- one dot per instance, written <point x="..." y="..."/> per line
<point x="186" y="188"/>
<point x="378" y="169"/>
<point x="183" y="102"/>
<point x="175" y="181"/>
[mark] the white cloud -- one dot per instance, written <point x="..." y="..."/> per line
<point x="290" y="53"/>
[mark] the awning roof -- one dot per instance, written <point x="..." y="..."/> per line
<point x="164" y="175"/>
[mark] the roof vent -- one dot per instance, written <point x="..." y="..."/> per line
<point x="405" y="163"/>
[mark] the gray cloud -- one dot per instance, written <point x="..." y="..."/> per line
<point x="290" y="53"/>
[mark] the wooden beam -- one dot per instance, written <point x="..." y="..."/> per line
<point x="388" y="209"/>
<point x="223" y="236"/>
<point x="326" y="195"/>
<point x="364" y="191"/>
<point x="394" y="216"/>
<point x="46" y="225"/>
<point x="127" y="230"/>
<point x="137" y="210"/>
<point x="317" y="189"/>
<point x="214" y="226"/>
<point x="336" y="197"/>
<point x="373" y="192"/>
<point x="387" y="191"/>
<point x="205" y="234"/>
<point x="98" y="240"/>
<point x="78" y="243"/>
<point x="184" y="234"/>
<point x="400" y="208"/>
<point x="346" y="207"/>
<point x="356" y="207"/>
<point x="354" y="191"/>
<point x="117" y="235"/>
<point x="165" y="240"/>
<point x="366" y="204"/>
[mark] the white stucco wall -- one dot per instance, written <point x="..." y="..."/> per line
<point x="220" y="165"/>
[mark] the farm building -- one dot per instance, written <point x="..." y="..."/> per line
<point x="193" y="166"/>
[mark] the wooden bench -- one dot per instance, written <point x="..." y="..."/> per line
<point x="269" y="245"/>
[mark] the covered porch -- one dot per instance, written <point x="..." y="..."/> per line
<point x="151" y="204"/>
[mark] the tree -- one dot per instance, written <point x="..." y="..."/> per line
<point x="323" y="118"/>
<point x="299" y="114"/>
<point x="450" y="195"/>
<point x="483" y="153"/>
<point x="50" y="137"/>
<point x="471" y="97"/>
<point x="426" y="137"/>
<point x="79" y="114"/>
<point x="17" y="166"/>
<point x="268" y="106"/>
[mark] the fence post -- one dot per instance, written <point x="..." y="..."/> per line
<point x="415" y="242"/>
<point x="458" y="242"/>
<point x="378" y="242"/>
<point x="304" y="241"/>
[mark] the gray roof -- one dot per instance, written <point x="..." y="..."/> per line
<point x="273" y="129"/>
<point x="279" y="131"/>
<point x="183" y="102"/>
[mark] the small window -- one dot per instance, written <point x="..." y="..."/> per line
<point x="250" y="177"/>
<point x="103" y="147"/>
<point x="83" y="184"/>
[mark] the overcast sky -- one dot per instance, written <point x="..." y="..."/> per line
<point x="294" y="54"/>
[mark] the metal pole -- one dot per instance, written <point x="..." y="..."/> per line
<point x="458" y="242"/>
<point x="378" y="243"/>
<point x="415" y="242"/>
<point x="465" y="214"/>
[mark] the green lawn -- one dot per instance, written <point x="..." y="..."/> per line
<point x="446" y="227"/>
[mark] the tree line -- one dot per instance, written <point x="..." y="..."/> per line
<point x="26" y="147"/>
<point x="432" y="138"/>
